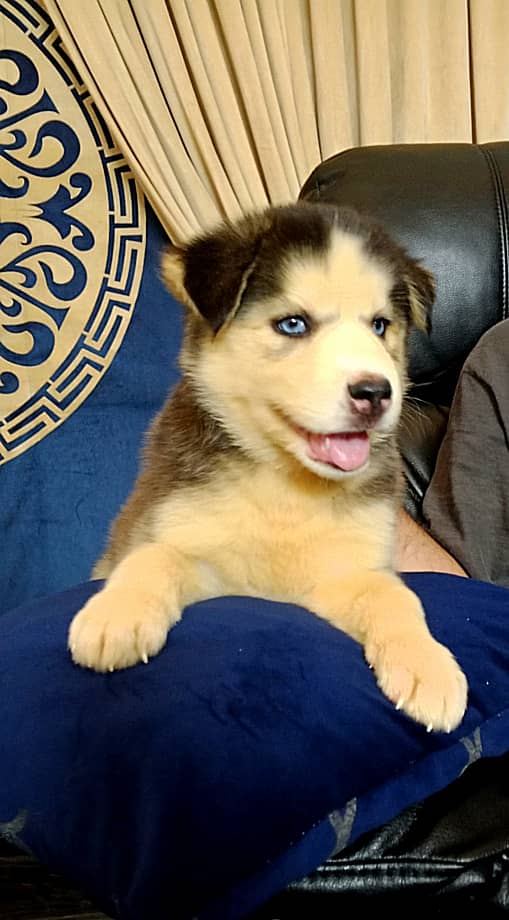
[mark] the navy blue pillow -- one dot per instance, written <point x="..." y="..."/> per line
<point x="239" y="759"/>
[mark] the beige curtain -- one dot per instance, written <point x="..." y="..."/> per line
<point x="225" y="105"/>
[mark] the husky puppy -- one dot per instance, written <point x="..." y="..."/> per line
<point x="273" y="469"/>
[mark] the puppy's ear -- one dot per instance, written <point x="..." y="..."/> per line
<point x="173" y="268"/>
<point x="210" y="275"/>
<point x="421" y="295"/>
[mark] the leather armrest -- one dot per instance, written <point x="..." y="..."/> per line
<point x="422" y="428"/>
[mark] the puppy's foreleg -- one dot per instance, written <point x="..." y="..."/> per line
<point x="417" y="673"/>
<point x="128" y="621"/>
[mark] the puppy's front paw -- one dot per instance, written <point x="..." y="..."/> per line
<point x="422" y="678"/>
<point x="117" y="628"/>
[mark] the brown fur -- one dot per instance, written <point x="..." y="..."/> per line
<point x="232" y="499"/>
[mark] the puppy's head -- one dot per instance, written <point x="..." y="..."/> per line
<point x="297" y="328"/>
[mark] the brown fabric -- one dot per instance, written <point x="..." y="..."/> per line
<point x="467" y="503"/>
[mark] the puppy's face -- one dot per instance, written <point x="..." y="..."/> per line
<point x="304" y="353"/>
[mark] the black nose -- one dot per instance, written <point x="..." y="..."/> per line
<point x="368" y="394"/>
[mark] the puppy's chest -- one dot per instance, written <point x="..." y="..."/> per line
<point x="266" y="538"/>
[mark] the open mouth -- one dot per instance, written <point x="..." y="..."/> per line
<point x="343" y="450"/>
<point x="346" y="451"/>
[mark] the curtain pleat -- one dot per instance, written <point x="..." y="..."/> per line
<point x="489" y="39"/>
<point x="333" y="69"/>
<point x="221" y="106"/>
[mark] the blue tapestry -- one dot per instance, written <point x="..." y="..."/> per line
<point x="80" y="295"/>
<point x="71" y="238"/>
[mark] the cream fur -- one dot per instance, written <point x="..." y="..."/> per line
<point x="273" y="522"/>
<point x="246" y="371"/>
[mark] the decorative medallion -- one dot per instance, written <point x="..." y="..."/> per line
<point x="72" y="234"/>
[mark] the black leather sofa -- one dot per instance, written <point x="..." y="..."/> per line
<point x="448" y="205"/>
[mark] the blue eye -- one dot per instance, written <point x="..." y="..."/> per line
<point x="380" y="325"/>
<point x="292" y="325"/>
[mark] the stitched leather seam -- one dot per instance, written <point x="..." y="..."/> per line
<point x="501" y="204"/>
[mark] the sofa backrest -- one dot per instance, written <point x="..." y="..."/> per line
<point x="448" y="205"/>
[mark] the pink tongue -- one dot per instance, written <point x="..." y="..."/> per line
<point x="346" y="451"/>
